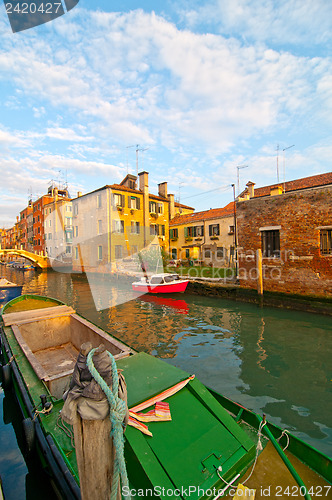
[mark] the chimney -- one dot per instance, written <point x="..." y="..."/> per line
<point x="276" y="190"/>
<point x="79" y="194"/>
<point x="251" y="189"/>
<point x="171" y="206"/>
<point x="143" y="180"/>
<point x="162" y="189"/>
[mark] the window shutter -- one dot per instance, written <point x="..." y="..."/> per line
<point x="210" y="230"/>
<point x="138" y="203"/>
<point x="186" y="232"/>
<point x="129" y="201"/>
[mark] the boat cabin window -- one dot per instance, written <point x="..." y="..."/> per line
<point x="172" y="277"/>
<point x="156" y="280"/>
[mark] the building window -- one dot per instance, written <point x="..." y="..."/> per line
<point x="118" y="251"/>
<point x="100" y="227"/>
<point x="118" y="200"/>
<point x="153" y="229"/>
<point x="49" y="236"/>
<point x="118" y="226"/>
<point x="214" y="230"/>
<point x="326" y="241"/>
<point x="187" y="253"/>
<point x="134" y="202"/>
<point x="174" y="233"/>
<point x="75" y="209"/>
<point x="156" y="208"/>
<point x="68" y="249"/>
<point x="221" y="253"/>
<point x="230" y="229"/>
<point x="135" y="229"/>
<point x="174" y="253"/>
<point x="100" y="252"/>
<point x="207" y="253"/>
<point x="153" y="207"/>
<point x="99" y="201"/>
<point x="76" y="253"/>
<point x="271" y="243"/>
<point x="199" y="230"/>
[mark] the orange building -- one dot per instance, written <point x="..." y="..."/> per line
<point x="24" y="225"/>
<point x="38" y="216"/>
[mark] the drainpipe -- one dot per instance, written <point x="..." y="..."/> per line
<point x="235" y="233"/>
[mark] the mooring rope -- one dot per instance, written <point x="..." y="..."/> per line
<point x="117" y="415"/>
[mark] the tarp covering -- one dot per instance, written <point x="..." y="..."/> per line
<point x="84" y="394"/>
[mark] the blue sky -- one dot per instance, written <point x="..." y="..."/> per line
<point x="202" y="87"/>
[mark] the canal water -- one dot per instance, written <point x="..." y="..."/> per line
<point x="273" y="361"/>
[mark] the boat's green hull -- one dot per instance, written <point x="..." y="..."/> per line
<point x="186" y="456"/>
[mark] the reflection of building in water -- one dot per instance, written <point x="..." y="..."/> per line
<point x="279" y="363"/>
<point x="116" y="221"/>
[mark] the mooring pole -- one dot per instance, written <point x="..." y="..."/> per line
<point x="89" y="415"/>
<point x="259" y="272"/>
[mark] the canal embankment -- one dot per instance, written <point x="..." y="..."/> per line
<point x="230" y="290"/>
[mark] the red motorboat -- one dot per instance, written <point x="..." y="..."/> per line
<point x="160" y="283"/>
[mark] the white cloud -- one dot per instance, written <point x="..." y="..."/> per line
<point x="277" y="23"/>
<point x="65" y="134"/>
<point x="139" y="78"/>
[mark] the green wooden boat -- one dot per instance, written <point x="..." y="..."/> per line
<point x="210" y="445"/>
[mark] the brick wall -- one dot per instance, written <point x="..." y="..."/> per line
<point x="301" y="268"/>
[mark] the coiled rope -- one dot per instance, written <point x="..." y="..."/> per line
<point x="117" y="415"/>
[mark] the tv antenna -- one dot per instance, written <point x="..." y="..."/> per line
<point x="127" y="147"/>
<point x="283" y="151"/>
<point x="238" y="168"/>
<point x="277" y="162"/>
<point x="138" y="149"/>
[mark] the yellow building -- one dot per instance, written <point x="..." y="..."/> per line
<point x="116" y="221"/>
<point x="205" y="237"/>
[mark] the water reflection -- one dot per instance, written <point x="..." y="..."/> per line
<point x="270" y="360"/>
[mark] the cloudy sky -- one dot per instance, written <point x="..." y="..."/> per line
<point x="201" y="86"/>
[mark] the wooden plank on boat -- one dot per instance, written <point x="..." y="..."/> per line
<point x="41" y="373"/>
<point x="124" y="350"/>
<point x="22" y="317"/>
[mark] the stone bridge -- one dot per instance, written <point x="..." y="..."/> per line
<point x="39" y="260"/>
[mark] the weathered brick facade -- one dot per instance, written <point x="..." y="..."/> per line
<point x="299" y="216"/>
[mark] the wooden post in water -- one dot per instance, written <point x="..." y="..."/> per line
<point x="94" y="453"/>
<point x="94" y="444"/>
<point x="259" y="272"/>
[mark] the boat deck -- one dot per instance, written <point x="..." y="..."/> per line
<point x="272" y="479"/>
<point x="59" y="359"/>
